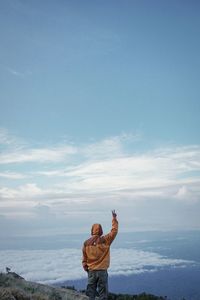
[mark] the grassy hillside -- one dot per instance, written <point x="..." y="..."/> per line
<point x="14" y="287"/>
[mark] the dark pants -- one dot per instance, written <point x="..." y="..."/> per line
<point x="97" y="281"/>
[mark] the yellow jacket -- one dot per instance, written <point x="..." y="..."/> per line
<point x="96" y="250"/>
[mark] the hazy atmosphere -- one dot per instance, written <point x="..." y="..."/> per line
<point x="99" y="110"/>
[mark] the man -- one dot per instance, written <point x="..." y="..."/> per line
<point x="96" y="259"/>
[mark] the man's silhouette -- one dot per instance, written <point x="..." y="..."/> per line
<point x="96" y="259"/>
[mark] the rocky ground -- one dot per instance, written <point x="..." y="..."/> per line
<point x="14" y="287"/>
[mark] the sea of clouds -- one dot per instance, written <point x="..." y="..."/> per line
<point x="54" y="266"/>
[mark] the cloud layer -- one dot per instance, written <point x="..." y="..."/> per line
<point x="52" y="266"/>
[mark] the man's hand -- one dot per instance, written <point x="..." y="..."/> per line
<point x="86" y="268"/>
<point x="114" y="213"/>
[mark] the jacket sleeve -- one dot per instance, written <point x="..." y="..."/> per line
<point x="84" y="259"/>
<point x="112" y="234"/>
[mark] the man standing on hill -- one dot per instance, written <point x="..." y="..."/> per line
<point x="96" y="259"/>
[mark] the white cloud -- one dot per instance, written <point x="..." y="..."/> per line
<point x="51" y="266"/>
<point x="50" y="173"/>
<point x="42" y="155"/>
<point x="17" y="151"/>
<point x="12" y="175"/>
<point x="28" y="190"/>
<point x="186" y="195"/>
<point x="109" y="147"/>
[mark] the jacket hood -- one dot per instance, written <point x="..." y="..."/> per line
<point x="96" y="229"/>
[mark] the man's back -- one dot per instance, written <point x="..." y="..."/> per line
<point x="96" y="250"/>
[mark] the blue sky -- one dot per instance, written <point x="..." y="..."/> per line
<point x="99" y="110"/>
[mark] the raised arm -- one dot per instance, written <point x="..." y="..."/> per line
<point x="114" y="230"/>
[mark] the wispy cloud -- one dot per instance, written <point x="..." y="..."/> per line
<point x="18" y="73"/>
<point x="14" y="150"/>
<point x="109" y="147"/>
<point x="107" y="172"/>
<point x="6" y="139"/>
<point x="27" y="191"/>
<point x="54" y="154"/>
<point x="12" y="175"/>
<point x="137" y="171"/>
<point x="92" y="171"/>
<point x="15" y="73"/>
